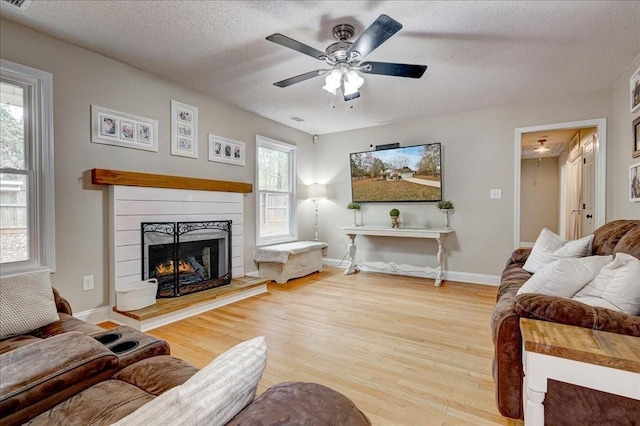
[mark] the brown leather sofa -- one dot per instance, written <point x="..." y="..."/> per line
<point x="565" y="404"/>
<point x="73" y="372"/>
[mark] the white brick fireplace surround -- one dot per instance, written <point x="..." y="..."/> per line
<point x="129" y="206"/>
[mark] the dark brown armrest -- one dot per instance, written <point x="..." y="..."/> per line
<point x="519" y="256"/>
<point x="38" y="376"/>
<point x="570" y="312"/>
<point x="61" y="303"/>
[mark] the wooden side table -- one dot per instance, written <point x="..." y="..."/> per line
<point x="594" y="359"/>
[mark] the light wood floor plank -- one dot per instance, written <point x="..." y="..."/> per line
<point x="406" y="352"/>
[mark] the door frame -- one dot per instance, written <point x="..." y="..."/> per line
<point x="562" y="216"/>
<point x="600" y="150"/>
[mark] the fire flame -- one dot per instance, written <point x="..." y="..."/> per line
<point x="167" y="268"/>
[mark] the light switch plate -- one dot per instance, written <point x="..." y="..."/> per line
<point x="495" y="193"/>
<point x="87" y="283"/>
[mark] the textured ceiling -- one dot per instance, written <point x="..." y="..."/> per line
<point x="480" y="54"/>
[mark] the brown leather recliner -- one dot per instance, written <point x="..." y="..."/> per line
<point x="73" y="372"/>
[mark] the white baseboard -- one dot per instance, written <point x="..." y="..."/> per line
<point x="254" y="274"/>
<point x="464" y="277"/>
<point x="94" y="316"/>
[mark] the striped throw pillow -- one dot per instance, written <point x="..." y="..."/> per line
<point x="214" y="395"/>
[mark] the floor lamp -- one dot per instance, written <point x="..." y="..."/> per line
<point x="317" y="191"/>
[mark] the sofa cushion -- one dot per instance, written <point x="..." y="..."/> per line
<point x="550" y="247"/>
<point x="565" y="277"/>
<point x="27" y="303"/>
<point x="214" y="395"/>
<point x="630" y="242"/>
<point x="571" y="312"/>
<point x="617" y="285"/>
<point x="607" y="237"/>
<point x="296" y="403"/>
<point x="102" y="404"/>
<point x="129" y="389"/>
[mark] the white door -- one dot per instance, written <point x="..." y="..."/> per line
<point x="588" y="187"/>
<point x="574" y="199"/>
<point x="562" y="225"/>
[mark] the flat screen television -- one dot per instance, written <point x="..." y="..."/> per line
<point x="405" y="174"/>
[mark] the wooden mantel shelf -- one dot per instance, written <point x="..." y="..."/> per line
<point x="118" y="177"/>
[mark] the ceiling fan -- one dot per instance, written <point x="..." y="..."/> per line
<point x="344" y="57"/>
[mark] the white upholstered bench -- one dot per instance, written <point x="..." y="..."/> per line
<point x="282" y="262"/>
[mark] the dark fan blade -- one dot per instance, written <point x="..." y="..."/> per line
<point x="377" y="33"/>
<point x="299" y="78"/>
<point x="396" y="70"/>
<point x="352" y="96"/>
<point x="285" y="41"/>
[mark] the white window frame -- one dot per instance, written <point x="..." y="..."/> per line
<point x="39" y="161"/>
<point x="292" y="235"/>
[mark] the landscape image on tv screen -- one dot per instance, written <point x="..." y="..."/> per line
<point x="411" y="173"/>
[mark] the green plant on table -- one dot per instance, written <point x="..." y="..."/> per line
<point x="353" y="206"/>
<point x="445" y="205"/>
<point x="394" y="212"/>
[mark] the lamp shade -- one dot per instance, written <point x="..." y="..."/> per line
<point x="317" y="191"/>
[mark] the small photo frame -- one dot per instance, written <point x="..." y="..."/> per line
<point x="127" y="130"/>
<point x="636" y="137"/>
<point x="634" y="88"/>
<point x="144" y="133"/>
<point x="184" y="130"/>
<point x="634" y="182"/>
<point x="224" y="150"/>
<point x="110" y="127"/>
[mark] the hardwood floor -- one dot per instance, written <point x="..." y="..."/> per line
<point x="406" y="352"/>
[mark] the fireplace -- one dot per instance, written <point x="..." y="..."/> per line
<point x="186" y="257"/>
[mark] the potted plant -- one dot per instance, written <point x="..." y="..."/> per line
<point x="445" y="206"/>
<point x="355" y="207"/>
<point x="394" y="213"/>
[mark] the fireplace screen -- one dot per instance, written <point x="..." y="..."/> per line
<point x="186" y="257"/>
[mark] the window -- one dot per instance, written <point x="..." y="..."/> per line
<point x="26" y="169"/>
<point x="276" y="192"/>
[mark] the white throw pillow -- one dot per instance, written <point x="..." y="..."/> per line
<point x="26" y="303"/>
<point x="565" y="277"/>
<point x="618" y="284"/>
<point x="549" y="247"/>
<point x="212" y="396"/>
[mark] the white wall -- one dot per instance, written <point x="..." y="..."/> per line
<point x="619" y="151"/>
<point x="82" y="78"/>
<point x="478" y="155"/>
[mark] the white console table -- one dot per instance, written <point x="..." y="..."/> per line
<point x="382" y="231"/>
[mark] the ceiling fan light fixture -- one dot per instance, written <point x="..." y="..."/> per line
<point x="542" y="148"/>
<point x="352" y="82"/>
<point x="332" y="81"/>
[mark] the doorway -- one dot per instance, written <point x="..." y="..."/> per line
<point x="566" y="164"/>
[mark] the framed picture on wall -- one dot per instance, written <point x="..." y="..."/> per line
<point x="634" y="88"/>
<point x="634" y="182"/>
<point x="224" y="150"/>
<point x="636" y="137"/>
<point x="184" y="130"/>
<point x="110" y="127"/>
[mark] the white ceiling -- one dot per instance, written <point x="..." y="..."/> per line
<point x="480" y="54"/>
<point x="556" y="140"/>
